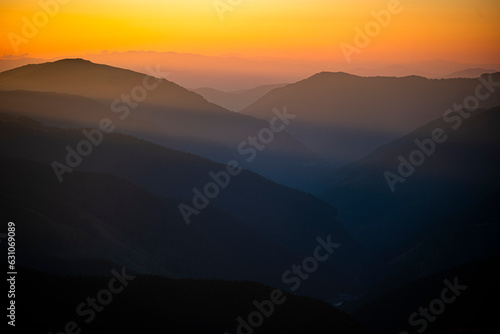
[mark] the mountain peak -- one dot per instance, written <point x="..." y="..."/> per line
<point x="325" y="74"/>
<point x="325" y="77"/>
<point x="73" y="60"/>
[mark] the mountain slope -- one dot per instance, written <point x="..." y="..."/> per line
<point x="235" y="100"/>
<point x="461" y="174"/>
<point x="469" y="73"/>
<point x="66" y="110"/>
<point x="164" y="113"/>
<point x="160" y="305"/>
<point x="344" y="117"/>
<point x="472" y="309"/>
<point x="289" y="218"/>
<point x="98" y="216"/>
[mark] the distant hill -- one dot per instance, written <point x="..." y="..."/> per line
<point x="469" y="73"/>
<point x="235" y="100"/>
<point x="393" y="71"/>
<point x="343" y="117"/>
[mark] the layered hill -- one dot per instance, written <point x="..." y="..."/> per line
<point x="290" y="221"/>
<point x="157" y="110"/>
<point x="442" y="212"/>
<point x="235" y="100"/>
<point x="344" y="117"/>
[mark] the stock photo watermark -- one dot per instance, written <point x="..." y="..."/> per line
<point x="427" y="147"/>
<point x="248" y="148"/>
<point x="293" y="278"/>
<point x="31" y="27"/>
<point x="224" y="6"/>
<point x="436" y="307"/>
<point x="11" y="272"/>
<point x="94" y="137"/>
<point x="372" y="29"/>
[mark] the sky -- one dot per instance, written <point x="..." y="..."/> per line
<point x="455" y="30"/>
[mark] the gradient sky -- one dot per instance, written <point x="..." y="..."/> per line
<point x="457" y="30"/>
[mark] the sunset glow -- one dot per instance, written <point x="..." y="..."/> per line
<point x="459" y="30"/>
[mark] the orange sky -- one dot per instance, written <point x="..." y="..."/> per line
<point x="457" y="30"/>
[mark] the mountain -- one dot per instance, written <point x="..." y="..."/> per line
<point x="9" y="64"/>
<point x="441" y="67"/>
<point x="436" y="69"/>
<point x="235" y="100"/>
<point x="229" y="72"/>
<point x="468" y="308"/>
<point x="343" y="117"/>
<point x="96" y="216"/>
<point x="161" y="305"/>
<point x="100" y="82"/>
<point x="469" y="73"/>
<point x="392" y="71"/>
<point x="222" y="72"/>
<point x="167" y="114"/>
<point x="251" y="217"/>
<point x="66" y="110"/>
<point x="441" y="211"/>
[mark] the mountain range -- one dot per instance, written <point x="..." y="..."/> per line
<point x="168" y="115"/>
<point x="152" y="182"/>
<point x="105" y="168"/>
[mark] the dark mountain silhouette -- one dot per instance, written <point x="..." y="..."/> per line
<point x="98" y="216"/>
<point x="235" y="100"/>
<point x="161" y="305"/>
<point x="442" y="215"/>
<point x="344" y="117"/>
<point x="473" y="310"/>
<point x="251" y="205"/>
<point x="170" y="115"/>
